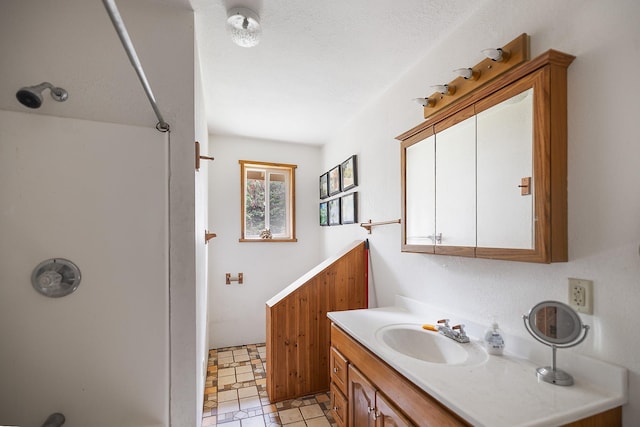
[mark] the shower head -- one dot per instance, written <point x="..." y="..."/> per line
<point x="31" y="96"/>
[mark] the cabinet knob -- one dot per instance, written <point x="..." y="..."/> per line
<point x="335" y="370"/>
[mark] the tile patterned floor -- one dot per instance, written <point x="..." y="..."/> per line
<point x="235" y="394"/>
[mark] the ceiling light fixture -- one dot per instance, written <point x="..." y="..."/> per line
<point x="243" y="26"/>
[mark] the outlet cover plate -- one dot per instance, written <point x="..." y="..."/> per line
<point x="580" y="295"/>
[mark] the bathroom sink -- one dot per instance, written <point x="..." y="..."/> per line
<point x="428" y="346"/>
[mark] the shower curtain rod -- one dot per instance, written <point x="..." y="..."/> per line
<point x="118" y="24"/>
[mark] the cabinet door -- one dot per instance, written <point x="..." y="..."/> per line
<point x="419" y="190"/>
<point x="505" y="156"/>
<point x="388" y="415"/>
<point x="361" y="400"/>
<point x="456" y="182"/>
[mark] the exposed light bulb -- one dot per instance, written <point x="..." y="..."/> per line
<point x="425" y="102"/>
<point x="467" y="73"/>
<point x="444" y="89"/>
<point x="494" y="54"/>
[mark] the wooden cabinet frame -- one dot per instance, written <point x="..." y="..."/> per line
<point x="395" y="395"/>
<point x="417" y="406"/>
<point x="548" y="74"/>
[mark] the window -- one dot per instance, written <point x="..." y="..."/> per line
<point x="267" y="202"/>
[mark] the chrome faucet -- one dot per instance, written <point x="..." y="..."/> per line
<point x="456" y="332"/>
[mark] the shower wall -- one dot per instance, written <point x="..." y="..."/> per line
<point x="95" y="193"/>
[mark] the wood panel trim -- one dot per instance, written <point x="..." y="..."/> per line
<point x="610" y="418"/>
<point x="298" y="330"/>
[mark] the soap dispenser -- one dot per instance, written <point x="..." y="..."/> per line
<point x="493" y="340"/>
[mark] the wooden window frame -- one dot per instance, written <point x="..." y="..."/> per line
<point x="291" y="170"/>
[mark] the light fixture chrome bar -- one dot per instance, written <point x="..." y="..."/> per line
<point x="120" y="28"/>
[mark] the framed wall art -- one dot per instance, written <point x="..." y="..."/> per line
<point x="334" y="180"/>
<point x="349" y="208"/>
<point x="334" y="211"/>
<point x="349" y="173"/>
<point x="324" y="213"/>
<point x="324" y="185"/>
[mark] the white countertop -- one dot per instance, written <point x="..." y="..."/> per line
<point x="504" y="390"/>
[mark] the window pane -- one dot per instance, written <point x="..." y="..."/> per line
<point x="277" y="203"/>
<point x="268" y="190"/>
<point x="255" y="203"/>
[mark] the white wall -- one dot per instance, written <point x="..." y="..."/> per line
<point x="604" y="201"/>
<point x="72" y="43"/>
<point x="202" y="208"/>
<point x="237" y="312"/>
<point x="96" y="194"/>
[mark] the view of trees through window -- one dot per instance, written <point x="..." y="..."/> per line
<point x="267" y="202"/>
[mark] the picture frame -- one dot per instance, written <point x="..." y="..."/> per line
<point x="324" y="213"/>
<point x="324" y="185"/>
<point x="334" y="180"/>
<point x="349" y="173"/>
<point x="334" y="211"/>
<point x="349" y="208"/>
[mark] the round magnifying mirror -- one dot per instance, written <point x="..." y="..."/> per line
<point x="557" y="325"/>
<point x="555" y="322"/>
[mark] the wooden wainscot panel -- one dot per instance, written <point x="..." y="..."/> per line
<point x="298" y="330"/>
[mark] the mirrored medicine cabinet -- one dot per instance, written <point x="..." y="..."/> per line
<point x="487" y="177"/>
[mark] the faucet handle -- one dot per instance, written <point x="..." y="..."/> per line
<point x="445" y="322"/>
<point x="460" y="328"/>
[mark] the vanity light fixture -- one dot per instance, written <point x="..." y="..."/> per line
<point x="467" y="73"/>
<point x="243" y="26"/>
<point x="425" y="102"/>
<point x="497" y="62"/>
<point x="497" y="55"/>
<point x="445" y="89"/>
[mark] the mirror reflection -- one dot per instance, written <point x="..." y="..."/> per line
<point x="554" y="322"/>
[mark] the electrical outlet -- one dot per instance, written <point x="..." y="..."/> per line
<point x="581" y="295"/>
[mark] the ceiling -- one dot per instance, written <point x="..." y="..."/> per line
<point x="318" y="62"/>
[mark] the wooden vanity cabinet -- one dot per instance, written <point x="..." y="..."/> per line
<point x="377" y="390"/>
<point x="339" y="386"/>
<point x="339" y="406"/>
<point x="377" y="395"/>
<point x="369" y="406"/>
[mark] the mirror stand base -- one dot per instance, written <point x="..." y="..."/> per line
<point x="554" y="376"/>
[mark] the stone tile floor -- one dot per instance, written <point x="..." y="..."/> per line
<point x="235" y="394"/>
